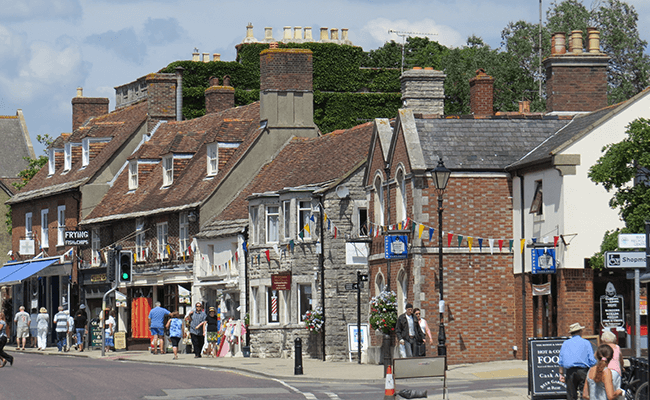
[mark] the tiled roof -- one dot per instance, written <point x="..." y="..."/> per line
<point x="307" y="162"/>
<point x="190" y="187"/>
<point x="13" y="148"/>
<point x="218" y="228"/>
<point x="119" y="125"/>
<point x="485" y="144"/>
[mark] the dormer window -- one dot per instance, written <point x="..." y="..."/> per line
<point x="85" y="153"/>
<point x="51" y="162"/>
<point x="67" y="157"/>
<point x="213" y="159"/>
<point x="168" y="170"/>
<point x="133" y="174"/>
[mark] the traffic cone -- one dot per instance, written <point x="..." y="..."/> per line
<point x="389" y="393"/>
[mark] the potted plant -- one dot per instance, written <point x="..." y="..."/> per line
<point x="383" y="312"/>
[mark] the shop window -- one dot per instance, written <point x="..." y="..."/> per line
<point x="272" y="224"/>
<point x="304" y="300"/>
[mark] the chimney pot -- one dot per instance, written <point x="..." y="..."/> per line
<point x="560" y="43"/>
<point x="323" y="35"/>
<point x="308" y="37"/>
<point x="226" y="80"/>
<point x="344" y="36"/>
<point x="481" y="92"/>
<point x="287" y="34"/>
<point x="297" y="33"/>
<point x="593" y="40"/>
<point x="249" y="30"/>
<point x="196" y="55"/>
<point x="213" y="81"/>
<point x="334" y="34"/>
<point x="206" y="57"/>
<point x="273" y="45"/>
<point x="524" y="107"/>
<point x="80" y="92"/>
<point x="576" y="42"/>
<point x="216" y="57"/>
<point x="219" y="98"/>
<point x="268" y="34"/>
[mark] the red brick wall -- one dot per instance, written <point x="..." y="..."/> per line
<point x="481" y="91"/>
<point x="286" y="69"/>
<point x="576" y="88"/>
<point x="219" y="98"/>
<point x="86" y="107"/>
<point x="161" y="98"/>
<point x="575" y="300"/>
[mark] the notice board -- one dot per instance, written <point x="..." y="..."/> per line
<point x="543" y="369"/>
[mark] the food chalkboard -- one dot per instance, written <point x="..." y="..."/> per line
<point x="543" y="369"/>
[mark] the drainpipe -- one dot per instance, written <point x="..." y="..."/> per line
<point x="523" y="275"/>
<point x="387" y="214"/>
<point x="321" y="262"/>
<point x="179" y="93"/>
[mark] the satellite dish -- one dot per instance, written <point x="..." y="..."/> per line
<point x="342" y="192"/>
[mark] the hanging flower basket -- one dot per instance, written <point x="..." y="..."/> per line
<point x="314" y="320"/>
<point x="383" y="312"/>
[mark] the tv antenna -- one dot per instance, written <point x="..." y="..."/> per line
<point x="404" y="35"/>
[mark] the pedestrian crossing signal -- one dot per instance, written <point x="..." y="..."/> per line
<point x="126" y="266"/>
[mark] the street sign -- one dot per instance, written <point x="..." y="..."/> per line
<point x="395" y="246"/>
<point x="353" y="286"/>
<point x="625" y="259"/>
<point x="631" y="241"/>
<point x="363" y="278"/>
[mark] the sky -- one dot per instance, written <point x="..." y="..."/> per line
<point x="48" y="48"/>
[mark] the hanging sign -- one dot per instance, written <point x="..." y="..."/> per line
<point x="395" y="246"/>
<point x="612" y="308"/>
<point x="77" y="238"/>
<point x="543" y="261"/>
<point x="281" y="282"/>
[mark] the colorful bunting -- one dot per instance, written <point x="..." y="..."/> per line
<point x="480" y="245"/>
<point x="449" y="237"/>
<point x="500" y="244"/>
<point x="469" y="242"/>
<point x="510" y="243"/>
<point x="268" y="255"/>
<point x="555" y="240"/>
<point x="420" y="230"/>
<point x="523" y="245"/>
<point x="430" y="233"/>
<point x="460" y="240"/>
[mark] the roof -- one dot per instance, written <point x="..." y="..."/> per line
<point x="118" y="125"/>
<point x="16" y="144"/>
<point x="191" y="186"/>
<point x="308" y="164"/>
<point x="218" y="228"/>
<point x="579" y="127"/>
<point x="483" y="144"/>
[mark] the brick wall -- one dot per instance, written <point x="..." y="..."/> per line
<point x="481" y="92"/>
<point x="219" y="98"/>
<point x="581" y="86"/>
<point x="86" y="107"/>
<point x="161" y="98"/>
<point x="575" y="300"/>
<point x="286" y="69"/>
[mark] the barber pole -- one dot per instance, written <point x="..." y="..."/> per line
<point x="274" y="306"/>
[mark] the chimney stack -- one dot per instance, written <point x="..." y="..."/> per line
<point x="423" y="90"/>
<point x="481" y="94"/>
<point x="161" y="98"/>
<point x="268" y="35"/>
<point x="219" y="98"/>
<point x="576" y="81"/>
<point x="84" y="108"/>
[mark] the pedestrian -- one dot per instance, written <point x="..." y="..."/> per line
<point x="616" y="364"/>
<point x="425" y="330"/>
<point x="576" y="357"/>
<point x="176" y="331"/>
<point x="22" y="321"/>
<point x="408" y="332"/>
<point x="80" y="325"/>
<point x="3" y="341"/>
<point x="42" y="324"/>
<point x="61" y="327"/>
<point x="33" y="330"/>
<point x="602" y="383"/>
<point x="157" y="326"/>
<point x="197" y="322"/>
<point x="71" y="332"/>
<point x="109" y="330"/>
<point x="212" y="321"/>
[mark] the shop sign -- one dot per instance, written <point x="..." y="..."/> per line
<point x="77" y="238"/>
<point x="543" y="261"/>
<point x="395" y="246"/>
<point x="281" y="282"/>
<point x="612" y="308"/>
<point x="98" y="278"/>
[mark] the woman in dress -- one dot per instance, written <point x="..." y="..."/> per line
<point x="601" y="382"/>
<point x="42" y="325"/>
<point x="425" y="329"/>
<point x="176" y="332"/>
<point x="212" y="329"/>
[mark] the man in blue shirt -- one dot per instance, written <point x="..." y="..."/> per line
<point x="576" y="357"/>
<point x="157" y="326"/>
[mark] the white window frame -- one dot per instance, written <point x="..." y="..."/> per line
<point x="85" y="153"/>
<point x="303" y="208"/>
<point x="67" y="157"/>
<point x="168" y="170"/>
<point x="400" y="196"/>
<point x="51" y="162"/>
<point x="302" y="310"/>
<point x="139" y="240"/>
<point x="95" y="243"/>
<point x="255" y="308"/>
<point x="379" y="201"/>
<point x="212" y="159"/>
<point x="362" y="228"/>
<point x="133" y="174"/>
<point x="162" y="237"/>
<point x="254" y="219"/>
<point x="29" y="223"/>
<point x="45" y="233"/>
<point x="286" y="219"/>
<point x="60" y="220"/>
<point x="183" y="232"/>
<point x="272" y="229"/>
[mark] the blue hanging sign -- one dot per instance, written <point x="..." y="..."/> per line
<point x="395" y="246"/>
<point x="543" y="261"/>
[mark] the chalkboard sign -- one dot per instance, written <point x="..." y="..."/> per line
<point x="95" y="334"/>
<point x="543" y="369"/>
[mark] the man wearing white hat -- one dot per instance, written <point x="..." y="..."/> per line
<point x="576" y="357"/>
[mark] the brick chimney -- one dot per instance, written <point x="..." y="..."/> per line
<point x="481" y="94"/>
<point x="87" y="107"/>
<point x="219" y="98"/>
<point x="423" y="90"/>
<point x="576" y="81"/>
<point x="286" y="93"/>
<point x="161" y="98"/>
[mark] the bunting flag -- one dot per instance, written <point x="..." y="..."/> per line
<point x="301" y="235"/>
<point x="291" y="245"/>
<point x="414" y="226"/>
<point x="555" y="240"/>
<point x="258" y="259"/>
<point x="407" y="222"/>
<point x="135" y="257"/>
<point x="335" y="232"/>
<point x="311" y="218"/>
<point x="276" y="249"/>
<point x="268" y="255"/>
<point x="430" y="233"/>
<point x="229" y="265"/>
<point x="469" y="242"/>
<point x="510" y="243"/>
<point x="399" y="226"/>
<point x="307" y="229"/>
<point x="237" y="256"/>
<point x="480" y="245"/>
<point x="500" y="244"/>
<point x="449" y="237"/>
<point x="169" y="251"/>
<point x="244" y="245"/>
<point x="534" y="240"/>
<point x="460" y="240"/>
<point x="523" y="245"/>
<point x="491" y="242"/>
<point x="325" y="217"/>
<point x="420" y="230"/>
<point x="329" y="225"/>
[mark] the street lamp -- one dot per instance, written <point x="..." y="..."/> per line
<point x="441" y="177"/>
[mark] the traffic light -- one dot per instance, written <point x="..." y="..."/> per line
<point x="110" y="266"/>
<point x="125" y="267"/>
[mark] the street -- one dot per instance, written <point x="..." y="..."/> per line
<point x="39" y="376"/>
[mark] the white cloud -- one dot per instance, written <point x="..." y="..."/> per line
<point x="13" y="10"/>
<point x="378" y="29"/>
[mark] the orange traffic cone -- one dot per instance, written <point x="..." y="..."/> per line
<point x="389" y="393"/>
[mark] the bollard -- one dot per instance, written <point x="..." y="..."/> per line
<point x="297" y="370"/>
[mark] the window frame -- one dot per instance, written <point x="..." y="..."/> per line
<point x="299" y="213"/>
<point x="45" y="233"/>
<point x="60" y="220"/>
<point x="162" y="241"/>
<point x="253" y="213"/>
<point x="95" y="248"/>
<point x="302" y="306"/>
<point x="378" y="198"/>
<point x="537" y="204"/>
<point x="168" y="170"/>
<point x="140" y="240"/>
<point x="67" y="157"/>
<point x="29" y="225"/>
<point x="212" y="159"/>
<point x="286" y="219"/>
<point x="276" y="230"/>
<point x="255" y="308"/>
<point x="183" y="232"/>
<point x="133" y="174"/>
<point x="400" y="196"/>
<point x="85" y="152"/>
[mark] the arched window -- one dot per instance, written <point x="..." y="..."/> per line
<point x="379" y="201"/>
<point x="400" y="196"/>
<point x="402" y="291"/>
<point x="379" y="283"/>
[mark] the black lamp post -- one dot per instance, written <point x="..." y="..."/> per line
<point x="441" y="177"/>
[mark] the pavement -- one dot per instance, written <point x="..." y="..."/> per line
<point x="317" y="370"/>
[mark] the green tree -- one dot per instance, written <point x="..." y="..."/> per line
<point x="621" y="164"/>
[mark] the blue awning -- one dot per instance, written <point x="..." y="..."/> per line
<point x="20" y="271"/>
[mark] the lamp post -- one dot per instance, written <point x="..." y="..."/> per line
<point x="441" y="177"/>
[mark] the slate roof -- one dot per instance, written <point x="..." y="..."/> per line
<point x="118" y="125"/>
<point x="483" y="144"/>
<point x="190" y="187"/>
<point x="308" y="163"/>
<point x="219" y="228"/>
<point x="14" y="146"/>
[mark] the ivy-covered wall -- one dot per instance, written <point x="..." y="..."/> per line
<point x="345" y="94"/>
